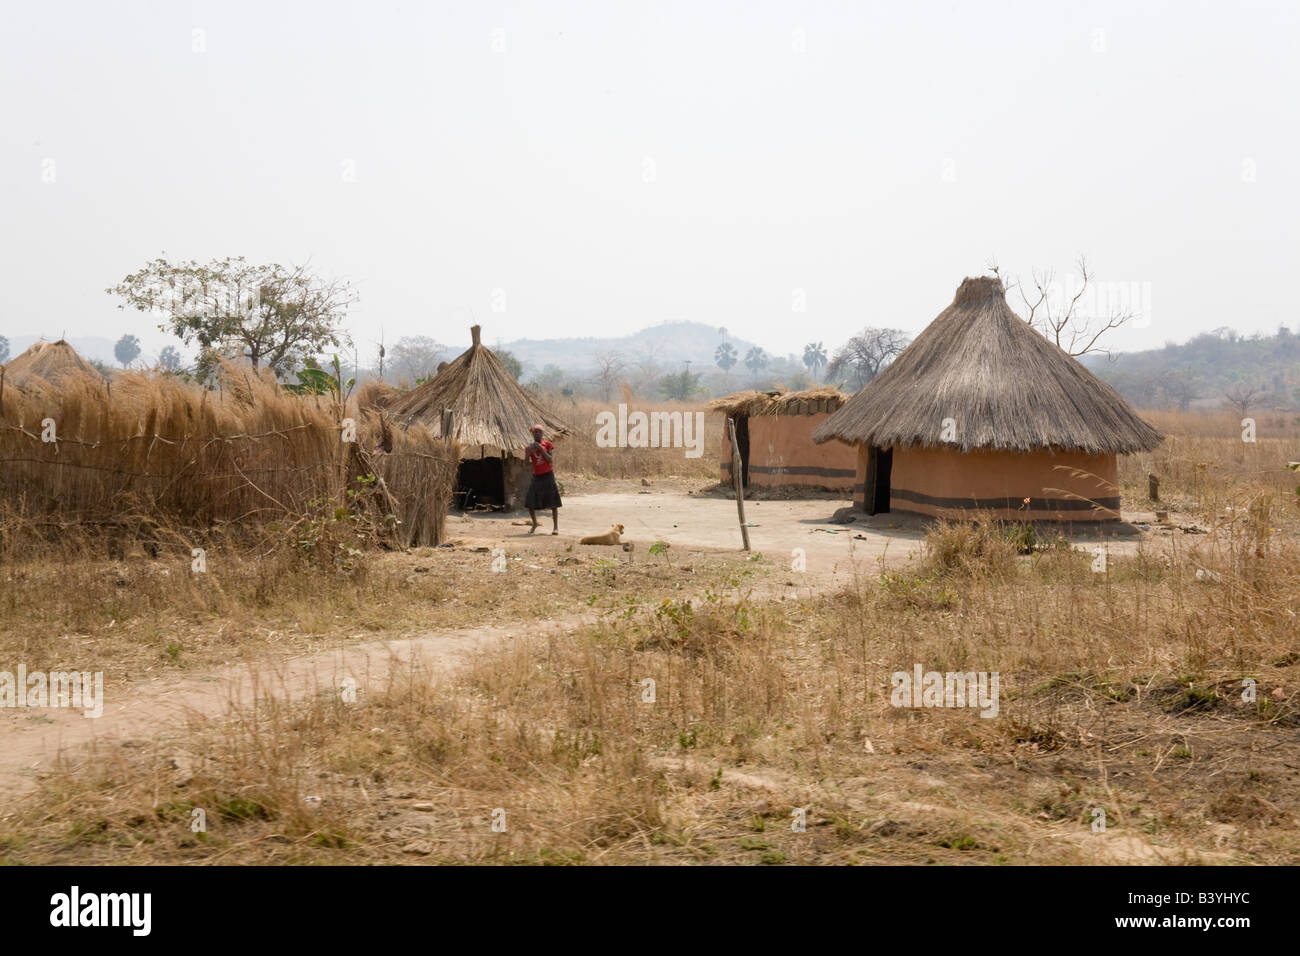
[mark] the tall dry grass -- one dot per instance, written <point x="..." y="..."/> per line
<point x="153" y="450"/>
<point x="1204" y="466"/>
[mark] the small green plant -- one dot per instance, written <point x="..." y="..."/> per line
<point x="605" y="568"/>
<point x="1022" y="536"/>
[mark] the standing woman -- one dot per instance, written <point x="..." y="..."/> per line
<point x="543" y="491"/>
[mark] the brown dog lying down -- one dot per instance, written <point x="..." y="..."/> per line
<point x="609" y="537"/>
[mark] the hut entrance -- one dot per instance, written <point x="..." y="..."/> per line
<point x="742" y="442"/>
<point x="880" y="462"/>
<point x="480" y="482"/>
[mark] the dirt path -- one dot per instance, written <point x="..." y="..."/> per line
<point x="33" y="740"/>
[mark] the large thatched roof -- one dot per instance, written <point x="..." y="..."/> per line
<point x="1004" y="385"/>
<point x="51" y="363"/>
<point x="780" y="401"/>
<point x="488" y="405"/>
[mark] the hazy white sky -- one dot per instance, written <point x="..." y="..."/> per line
<point x="609" y="165"/>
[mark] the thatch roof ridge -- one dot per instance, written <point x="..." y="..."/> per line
<point x="49" y="363"/>
<point x="1005" y="385"/>
<point x="489" y="406"/>
<point x="780" y="401"/>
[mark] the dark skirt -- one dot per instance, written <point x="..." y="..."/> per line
<point x="543" y="493"/>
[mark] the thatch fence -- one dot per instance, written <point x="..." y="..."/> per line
<point x="152" y="447"/>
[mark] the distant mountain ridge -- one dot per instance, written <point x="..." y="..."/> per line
<point x="1195" y="373"/>
<point x="669" y="345"/>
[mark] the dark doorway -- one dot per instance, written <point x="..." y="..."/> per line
<point x="742" y="442"/>
<point x="875" y="496"/>
<point x="480" y="482"/>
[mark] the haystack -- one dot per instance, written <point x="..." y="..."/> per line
<point x="774" y="432"/>
<point x="491" y="416"/>
<point x="981" y="412"/>
<point x="50" y="364"/>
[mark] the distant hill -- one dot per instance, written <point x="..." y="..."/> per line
<point x="1199" y="373"/>
<point x="669" y="345"/>
<point x="1193" y="374"/>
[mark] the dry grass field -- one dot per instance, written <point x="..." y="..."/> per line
<point x="581" y="455"/>
<point x="1121" y="691"/>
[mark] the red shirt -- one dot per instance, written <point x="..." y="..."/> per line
<point x="540" y="465"/>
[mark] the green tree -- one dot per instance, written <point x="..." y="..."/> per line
<point x="4" y="350"/>
<point x="271" y="315"/>
<point x="169" y="359"/>
<point x="681" y="387"/>
<point x="512" y="364"/>
<point x="725" y="357"/>
<point x="814" y="356"/>
<point x="127" y="350"/>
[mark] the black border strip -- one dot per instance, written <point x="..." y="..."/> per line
<point x="1010" y="503"/>
<point x="813" y="470"/>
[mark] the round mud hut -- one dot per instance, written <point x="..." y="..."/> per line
<point x="982" y="413"/>
<point x="490" y="415"/>
<point x="774" y="434"/>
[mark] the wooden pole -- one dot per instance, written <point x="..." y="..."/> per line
<point x="737" y="481"/>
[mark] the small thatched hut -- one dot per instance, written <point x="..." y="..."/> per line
<point x="774" y="433"/>
<point x="490" y="417"/>
<point x="49" y="363"/>
<point x="981" y="413"/>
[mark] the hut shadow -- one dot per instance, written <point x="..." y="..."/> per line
<point x="896" y="525"/>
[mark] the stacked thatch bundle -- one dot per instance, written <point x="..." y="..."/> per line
<point x="982" y="412"/>
<point x="780" y="401"/>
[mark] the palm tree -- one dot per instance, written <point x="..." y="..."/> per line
<point x="814" y="356"/>
<point x="725" y="357"/>
<point x="755" y="359"/>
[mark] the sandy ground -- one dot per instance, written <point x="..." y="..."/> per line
<point x="32" y="741"/>
<point x="685" y="520"/>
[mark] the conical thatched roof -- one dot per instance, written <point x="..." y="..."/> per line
<point x="780" y="401"/>
<point x="1004" y="385"/>
<point x="489" y="406"/>
<point x="51" y="363"/>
